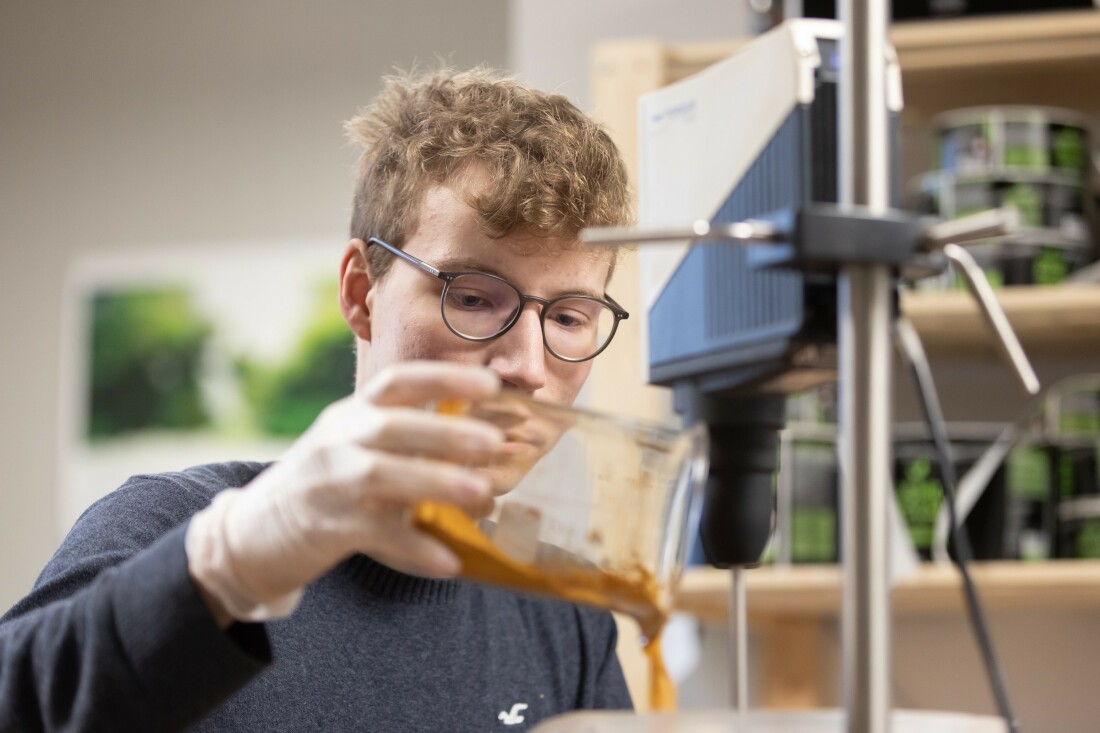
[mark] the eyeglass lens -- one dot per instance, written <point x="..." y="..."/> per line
<point x="480" y="306"/>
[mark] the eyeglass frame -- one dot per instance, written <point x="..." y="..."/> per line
<point x="449" y="276"/>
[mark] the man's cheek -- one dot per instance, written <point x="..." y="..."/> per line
<point x="566" y="382"/>
<point x="417" y="338"/>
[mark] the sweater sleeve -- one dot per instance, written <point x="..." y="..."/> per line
<point x="115" y="636"/>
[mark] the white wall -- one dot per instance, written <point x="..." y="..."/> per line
<point x="132" y="124"/>
<point x="549" y="41"/>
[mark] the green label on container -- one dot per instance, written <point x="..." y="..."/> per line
<point x="1025" y="155"/>
<point x="920" y="497"/>
<point x="1027" y="201"/>
<point x="813" y="534"/>
<point x="1049" y="267"/>
<point x="1088" y="539"/>
<point x="1028" y="475"/>
<point x="1069" y="149"/>
<point x="1080" y="423"/>
<point x="1066" y="475"/>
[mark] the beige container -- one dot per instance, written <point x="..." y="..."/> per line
<point x="1007" y="138"/>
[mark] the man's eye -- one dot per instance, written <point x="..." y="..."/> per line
<point x="569" y="320"/>
<point x="469" y="300"/>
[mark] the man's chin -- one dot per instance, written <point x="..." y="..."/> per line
<point x="504" y="478"/>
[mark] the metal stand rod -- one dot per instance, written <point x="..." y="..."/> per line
<point x="784" y="500"/>
<point x="864" y="308"/>
<point x="739" y="640"/>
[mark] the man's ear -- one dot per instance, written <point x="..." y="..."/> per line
<point x="355" y="284"/>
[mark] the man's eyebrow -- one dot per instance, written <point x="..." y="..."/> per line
<point x="453" y="264"/>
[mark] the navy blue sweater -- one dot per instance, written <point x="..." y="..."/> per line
<point x="114" y="637"/>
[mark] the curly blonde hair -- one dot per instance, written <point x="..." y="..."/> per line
<point x="551" y="170"/>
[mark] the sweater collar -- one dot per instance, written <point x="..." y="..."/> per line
<point x="383" y="581"/>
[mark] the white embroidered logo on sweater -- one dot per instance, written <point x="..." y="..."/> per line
<point x="513" y="717"/>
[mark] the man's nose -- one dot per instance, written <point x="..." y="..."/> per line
<point x="519" y="356"/>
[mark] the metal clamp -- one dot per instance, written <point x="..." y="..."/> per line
<point x="825" y="237"/>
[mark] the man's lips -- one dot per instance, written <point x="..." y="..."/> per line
<point x="506" y="415"/>
<point x="521" y="427"/>
<point x="524" y="438"/>
<point x="531" y="428"/>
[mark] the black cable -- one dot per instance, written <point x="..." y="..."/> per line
<point x="913" y="351"/>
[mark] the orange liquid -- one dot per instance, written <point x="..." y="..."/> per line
<point x="662" y="693"/>
<point x="482" y="561"/>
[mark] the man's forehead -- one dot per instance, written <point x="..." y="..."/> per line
<point x="502" y="254"/>
<point x="455" y="230"/>
<point x="508" y="259"/>
<point x="449" y="233"/>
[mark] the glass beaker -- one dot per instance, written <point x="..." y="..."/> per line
<point x="593" y="508"/>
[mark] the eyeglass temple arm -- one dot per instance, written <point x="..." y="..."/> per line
<point x="620" y="312"/>
<point x="404" y="255"/>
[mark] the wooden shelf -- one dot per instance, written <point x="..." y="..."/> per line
<point x="1050" y="321"/>
<point x="1035" y="59"/>
<point x="790" y="609"/>
<point x="814" y="590"/>
<point x="1063" y="37"/>
<point x="1032" y="59"/>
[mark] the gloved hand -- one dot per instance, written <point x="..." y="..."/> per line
<point x="348" y="485"/>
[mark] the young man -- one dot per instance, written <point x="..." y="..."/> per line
<point x="298" y="596"/>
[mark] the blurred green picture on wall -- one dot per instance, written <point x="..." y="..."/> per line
<point x="286" y="397"/>
<point x="147" y="349"/>
<point x="186" y="353"/>
<point x="158" y="364"/>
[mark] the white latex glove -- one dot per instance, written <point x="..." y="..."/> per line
<point x="347" y="485"/>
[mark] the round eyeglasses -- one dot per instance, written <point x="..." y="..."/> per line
<point x="478" y="306"/>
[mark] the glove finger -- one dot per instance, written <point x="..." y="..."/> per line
<point x="409" y="551"/>
<point x="417" y="383"/>
<point x="381" y="478"/>
<point x="413" y="432"/>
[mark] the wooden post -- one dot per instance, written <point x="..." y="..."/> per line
<point x="791" y="651"/>
<point x="621" y="71"/>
